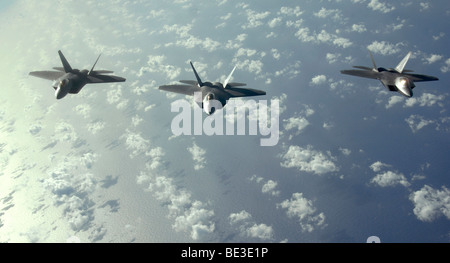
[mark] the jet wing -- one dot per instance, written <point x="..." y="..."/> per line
<point x="189" y="82"/>
<point x="181" y="89"/>
<point x="362" y="73"/>
<point x="50" y="75"/>
<point x="241" y="92"/>
<point x="420" y="78"/>
<point x="104" y="79"/>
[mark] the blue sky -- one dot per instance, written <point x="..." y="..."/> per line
<point x="354" y="160"/>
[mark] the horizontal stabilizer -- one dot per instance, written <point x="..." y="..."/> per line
<point x="50" y="75"/>
<point x="244" y="92"/>
<point x="96" y="72"/>
<point x="181" y="89"/>
<point x="236" y="84"/>
<point x="104" y="79"/>
<point x="362" y="67"/>
<point x="59" y="68"/>
<point x="189" y="82"/>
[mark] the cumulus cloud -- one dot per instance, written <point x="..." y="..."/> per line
<point x="384" y="48"/>
<point x="247" y="227"/>
<point x="446" y="67"/>
<point x="308" y="160"/>
<point x="387" y="177"/>
<point x="417" y="122"/>
<point x="304" y="34"/>
<point x="73" y="193"/>
<point x="394" y="100"/>
<point x="425" y="100"/>
<point x="359" y="28"/>
<point x="298" y="122"/>
<point x="304" y="210"/>
<point x="430" y="203"/>
<point x="195" y="219"/>
<point x="192" y="216"/>
<point x="433" y="58"/>
<point x="136" y="143"/>
<point x="335" y="14"/>
<point x="377" y="166"/>
<point x="382" y="7"/>
<point x="318" y="80"/>
<point x="268" y="187"/>
<point x="390" y="178"/>
<point x="157" y="64"/>
<point x="198" y="156"/>
<point x="254" y="18"/>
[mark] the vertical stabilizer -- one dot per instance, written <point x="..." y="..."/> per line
<point x="66" y="65"/>
<point x="375" y="68"/>
<point x="228" y="79"/>
<point x="402" y="63"/>
<point x="200" y="83"/>
<point x="92" y="69"/>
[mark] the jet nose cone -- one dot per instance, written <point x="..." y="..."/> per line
<point x="59" y="94"/>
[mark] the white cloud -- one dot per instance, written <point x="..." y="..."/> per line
<point x="417" y="122"/>
<point x="433" y="58"/>
<point x="318" y="80"/>
<point x="377" y="166"/>
<point x="198" y="156"/>
<point x="275" y="22"/>
<point x="238" y="217"/>
<point x="303" y="209"/>
<point x="384" y="48"/>
<point x="190" y="216"/>
<point x="332" y="58"/>
<point x="390" y="178"/>
<point x="380" y="6"/>
<point x="359" y="28"/>
<point x="446" y="67"/>
<point x="196" y="219"/>
<point x="297" y="123"/>
<point x="394" y="100"/>
<point x="136" y="143"/>
<point x="290" y="11"/>
<point x="345" y="151"/>
<point x="254" y="18"/>
<point x="426" y="99"/>
<point x="156" y="64"/>
<point x="430" y="203"/>
<point x="247" y="227"/>
<point x="308" y="160"/>
<point x="260" y="231"/>
<point x="269" y="187"/>
<point x="304" y="35"/>
<point x="73" y="192"/>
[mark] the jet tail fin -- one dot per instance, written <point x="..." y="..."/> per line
<point x="200" y="83"/>
<point x="66" y="65"/>
<point x="375" y="68"/>
<point x="402" y="63"/>
<point x="228" y="78"/>
<point x="92" y="69"/>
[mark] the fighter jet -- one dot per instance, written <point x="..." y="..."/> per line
<point x="221" y="92"/>
<point x="398" y="79"/>
<point x="68" y="80"/>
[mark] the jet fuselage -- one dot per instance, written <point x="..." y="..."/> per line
<point x="70" y="83"/>
<point x="395" y="81"/>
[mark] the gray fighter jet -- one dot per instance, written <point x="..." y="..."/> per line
<point x="68" y="80"/>
<point x="397" y="79"/>
<point x="220" y="92"/>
